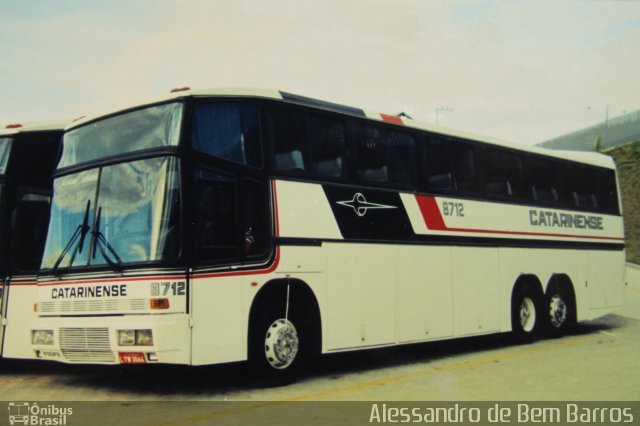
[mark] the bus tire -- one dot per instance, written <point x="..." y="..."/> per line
<point x="278" y="348"/>
<point x="526" y="316"/>
<point x="559" y="309"/>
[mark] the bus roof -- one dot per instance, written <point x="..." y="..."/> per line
<point x="592" y="158"/>
<point x="37" y="126"/>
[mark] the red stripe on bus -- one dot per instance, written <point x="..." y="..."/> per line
<point x="268" y="270"/>
<point x="435" y="222"/>
<point x="391" y="119"/>
<point x="431" y="213"/>
<point x="114" y="280"/>
<point x="25" y="283"/>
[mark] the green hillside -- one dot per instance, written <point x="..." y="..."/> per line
<point x="627" y="158"/>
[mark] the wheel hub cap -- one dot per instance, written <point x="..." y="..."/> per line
<point x="281" y="344"/>
<point x="557" y="311"/>
<point x="527" y="314"/>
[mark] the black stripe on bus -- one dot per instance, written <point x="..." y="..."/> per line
<point x="303" y="100"/>
<point x="457" y="241"/>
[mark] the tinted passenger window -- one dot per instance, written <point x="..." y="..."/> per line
<point x="217" y="215"/>
<point x="307" y="143"/>
<point x="464" y="167"/>
<point x="385" y="156"/>
<point x="545" y="181"/>
<point x="582" y="184"/>
<point x="228" y="130"/>
<point x="503" y="175"/>
<point x="435" y="157"/>
<point x="608" y="191"/>
<point x="29" y="221"/>
<point x="448" y="166"/>
<point x="232" y="218"/>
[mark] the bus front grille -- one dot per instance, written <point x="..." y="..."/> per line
<point x="93" y="306"/>
<point x="86" y="345"/>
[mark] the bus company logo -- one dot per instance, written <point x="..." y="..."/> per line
<point x="31" y="414"/>
<point x="360" y="205"/>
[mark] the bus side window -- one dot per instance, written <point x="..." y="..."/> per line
<point x="289" y="138"/>
<point x="217" y="216"/>
<point x="435" y="160"/>
<point x="371" y="156"/>
<point x="29" y="221"/>
<point x="308" y="143"/>
<point x="448" y="166"/>
<point x="232" y="218"/>
<point x="463" y="160"/>
<point x="582" y="183"/>
<point x="255" y="224"/>
<point x="608" y="192"/>
<point x="326" y="149"/>
<point x="402" y="158"/>
<point x="545" y="180"/>
<point x="228" y="130"/>
<point x="503" y="173"/>
<point x="385" y="156"/>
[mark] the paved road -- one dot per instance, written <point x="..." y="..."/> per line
<point x="595" y="361"/>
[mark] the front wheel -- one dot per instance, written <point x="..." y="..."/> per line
<point x="277" y="348"/>
<point x="281" y="344"/>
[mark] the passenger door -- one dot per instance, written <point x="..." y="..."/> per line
<point x="232" y="220"/>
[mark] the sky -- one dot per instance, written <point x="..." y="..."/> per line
<point x="518" y="70"/>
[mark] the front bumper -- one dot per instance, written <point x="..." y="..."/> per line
<point x="94" y="340"/>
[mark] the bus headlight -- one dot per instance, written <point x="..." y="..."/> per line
<point x="42" y="337"/>
<point x="144" y="338"/>
<point x="126" y="337"/>
<point x="135" y="338"/>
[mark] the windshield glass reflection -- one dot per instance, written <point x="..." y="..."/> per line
<point x="138" y="206"/>
<point x="147" y="128"/>
<point x="5" y="148"/>
<point x="3" y="226"/>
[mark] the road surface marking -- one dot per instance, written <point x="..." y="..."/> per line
<point x="519" y="352"/>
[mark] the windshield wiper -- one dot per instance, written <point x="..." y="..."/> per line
<point x="100" y="242"/>
<point x="78" y="236"/>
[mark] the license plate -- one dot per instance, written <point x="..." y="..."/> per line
<point x="132" y="358"/>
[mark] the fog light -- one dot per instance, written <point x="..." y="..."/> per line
<point x="42" y="337"/>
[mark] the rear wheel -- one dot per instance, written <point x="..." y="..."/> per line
<point x="525" y="314"/>
<point x="558" y="303"/>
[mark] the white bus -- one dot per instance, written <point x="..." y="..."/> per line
<point x="229" y="225"/>
<point x="27" y="160"/>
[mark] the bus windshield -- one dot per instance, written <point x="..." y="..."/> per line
<point x="148" y="128"/>
<point x="5" y="147"/>
<point x="116" y="214"/>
